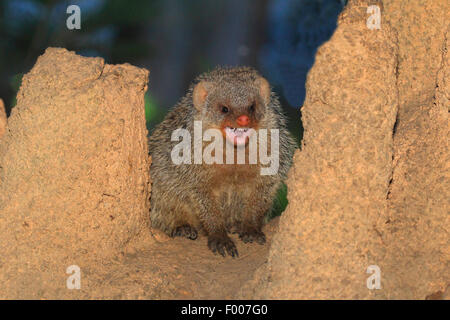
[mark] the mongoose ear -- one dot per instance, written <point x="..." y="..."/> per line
<point x="264" y="89"/>
<point x="200" y="94"/>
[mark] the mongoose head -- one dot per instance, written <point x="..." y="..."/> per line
<point x="233" y="100"/>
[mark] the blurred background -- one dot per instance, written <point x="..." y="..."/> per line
<point x="176" y="40"/>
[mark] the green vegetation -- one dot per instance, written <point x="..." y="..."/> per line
<point x="279" y="204"/>
<point x="154" y="114"/>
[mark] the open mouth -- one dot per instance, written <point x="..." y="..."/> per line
<point x="238" y="136"/>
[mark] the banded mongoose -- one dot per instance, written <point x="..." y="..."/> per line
<point x="217" y="199"/>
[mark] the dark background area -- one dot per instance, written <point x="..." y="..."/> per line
<point x="176" y="40"/>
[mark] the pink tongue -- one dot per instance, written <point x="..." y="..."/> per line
<point x="237" y="138"/>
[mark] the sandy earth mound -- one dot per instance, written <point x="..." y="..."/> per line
<point x="418" y="233"/>
<point x="74" y="179"/>
<point x="3" y="120"/>
<point x="369" y="187"/>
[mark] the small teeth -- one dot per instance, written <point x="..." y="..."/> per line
<point x="238" y="136"/>
<point x="239" y="129"/>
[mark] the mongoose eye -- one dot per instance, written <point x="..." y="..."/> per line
<point x="224" y="109"/>
<point x="252" y="108"/>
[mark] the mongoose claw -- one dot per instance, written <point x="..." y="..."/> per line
<point x="185" y="231"/>
<point x="253" y="235"/>
<point x="222" y="245"/>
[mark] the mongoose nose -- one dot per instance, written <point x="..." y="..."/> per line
<point x="242" y="120"/>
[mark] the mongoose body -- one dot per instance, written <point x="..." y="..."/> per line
<point x="218" y="198"/>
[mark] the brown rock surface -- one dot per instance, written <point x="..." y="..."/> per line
<point x="73" y="170"/>
<point x="418" y="233"/>
<point x="3" y="120"/>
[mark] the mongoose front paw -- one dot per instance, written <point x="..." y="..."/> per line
<point x="185" y="231"/>
<point x="221" y="244"/>
<point x="249" y="236"/>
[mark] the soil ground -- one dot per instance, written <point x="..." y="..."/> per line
<point x="176" y="268"/>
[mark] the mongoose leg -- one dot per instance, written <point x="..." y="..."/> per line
<point x="221" y="243"/>
<point x="250" y="229"/>
<point x="248" y="235"/>
<point x="185" y="231"/>
<point x="218" y="240"/>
